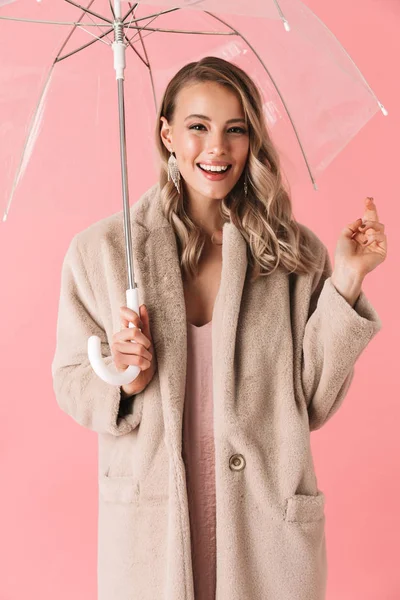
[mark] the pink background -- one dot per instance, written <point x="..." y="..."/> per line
<point x="49" y="464"/>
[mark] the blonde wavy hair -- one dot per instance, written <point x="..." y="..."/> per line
<point x="265" y="216"/>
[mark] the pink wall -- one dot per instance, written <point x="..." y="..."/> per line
<point x="49" y="464"/>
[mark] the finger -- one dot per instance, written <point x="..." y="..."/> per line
<point x="122" y="359"/>
<point x="133" y="334"/>
<point x="371" y="225"/>
<point x="129" y="313"/>
<point x="144" y="315"/>
<point x="125" y="324"/>
<point x="359" y="237"/>
<point x="137" y="349"/>
<point x="129" y="316"/>
<point x="352" y="228"/>
<point x="370" y="212"/>
<point x="374" y="237"/>
<point x="367" y="226"/>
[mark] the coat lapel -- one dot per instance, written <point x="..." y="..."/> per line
<point x="226" y="317"/>
<point x="158" y="275"/>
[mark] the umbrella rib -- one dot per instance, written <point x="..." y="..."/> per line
<point x="150" y="71"/>
<point x="130" y="11"/>
<point x="60" y="58"/>
<point x="112" y="9"/>
<point x="147" y="64"/>
<point x="126" y="16"/>
<point x="38" y="115"/>
<point x="144" y="36"/>
<point x="277" y="89"/>
<point x="37" y="118"/>
<point x="155" y="29"/>
<point x="30" y="139"/>
<point x="90" y="12"/>
<point x="97" y="38"/>
<point x="91" y="18"/>
<point x="350" y="58"/>
<point x="162" y="12"/>
<point x="281" y="15"/>
<point x="151" y="29"/>
<point x="279" y="9"/>
<point x="137" y="53"/>
<point x="152" y="17"/>
<point x="53" y="22"/>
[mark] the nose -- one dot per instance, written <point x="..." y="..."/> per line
<point x="216" y="143"/>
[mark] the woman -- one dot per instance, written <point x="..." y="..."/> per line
<point x="246" y="341"/>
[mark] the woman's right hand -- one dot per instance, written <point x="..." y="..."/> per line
<point x="140" y="353"/>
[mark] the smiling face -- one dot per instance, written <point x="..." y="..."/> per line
<point x="207" y="139"/>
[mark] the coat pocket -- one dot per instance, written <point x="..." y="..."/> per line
<point x="302" y="508"/>
<point x="119" y="489"/>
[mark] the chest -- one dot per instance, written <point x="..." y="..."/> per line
<point x="201" y="291"/>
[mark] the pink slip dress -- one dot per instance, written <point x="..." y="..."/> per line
<point x="198" y="456"/>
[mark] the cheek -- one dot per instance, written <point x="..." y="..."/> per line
<point x="192" y="148"/>
<point x="240" y="152"/>
<point x="243" y="150"/>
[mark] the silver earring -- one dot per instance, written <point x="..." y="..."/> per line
<point x="173" y="171"/>
<point x="246" y="189"/>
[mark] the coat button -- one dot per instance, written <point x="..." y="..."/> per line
<point x="237" y="462"/>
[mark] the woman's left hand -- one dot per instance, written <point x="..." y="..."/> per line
<point x="362" y="246"/>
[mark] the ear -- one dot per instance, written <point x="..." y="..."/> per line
<point x="166" y="134"/>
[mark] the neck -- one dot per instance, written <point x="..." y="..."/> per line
<point x="205" y="213"/>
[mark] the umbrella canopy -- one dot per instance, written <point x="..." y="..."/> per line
<point x="56" y="72"/>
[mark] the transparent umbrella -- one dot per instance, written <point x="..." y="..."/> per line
<point x="59" y="123"/>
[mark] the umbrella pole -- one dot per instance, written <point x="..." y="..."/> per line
<point x="125" y="192"/>
<point x="97" y="362"/>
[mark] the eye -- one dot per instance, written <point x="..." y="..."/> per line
<point x="193" y="126"/>
<point x="241" y="130"/>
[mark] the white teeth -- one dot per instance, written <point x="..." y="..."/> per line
<point x="212" y="168"/>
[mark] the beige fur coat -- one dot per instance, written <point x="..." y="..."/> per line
<point x="283" y="354"/>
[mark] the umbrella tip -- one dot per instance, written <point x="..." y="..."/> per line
<point x="286" y="25"/>
<point x="4" y="217"/>
<point x="383" y="109"/>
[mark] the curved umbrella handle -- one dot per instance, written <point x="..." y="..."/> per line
<point x="108" y="373"/>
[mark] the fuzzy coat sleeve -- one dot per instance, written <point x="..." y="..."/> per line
<point x="335" y="335"/>
<point x="79" y="392"/>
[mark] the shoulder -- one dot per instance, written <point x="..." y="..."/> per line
<point x="319" y="251"/>
<point x="109" y="231"/>
<point x="312" y="240"/>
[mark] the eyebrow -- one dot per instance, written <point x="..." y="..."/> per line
<point x="238" y="120"/>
